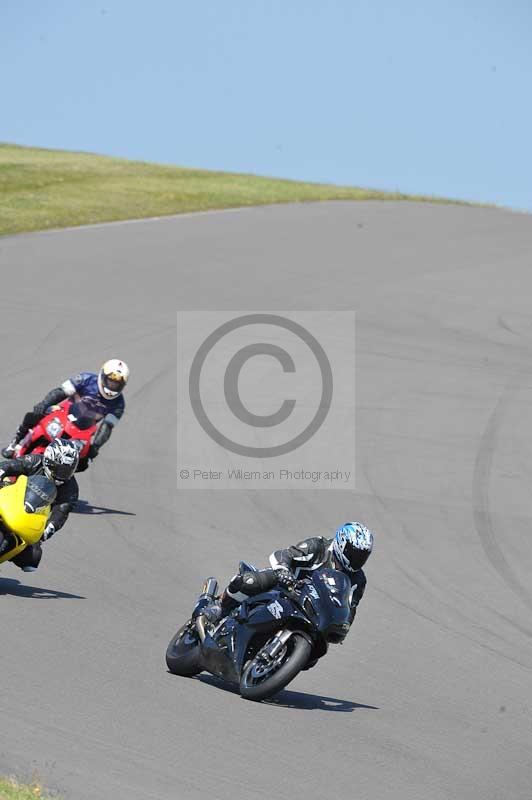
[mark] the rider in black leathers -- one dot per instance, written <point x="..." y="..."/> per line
<point x="58" y="462"/>
<point x="347" y="551"/>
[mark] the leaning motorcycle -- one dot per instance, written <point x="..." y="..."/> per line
<point x="269" y="638"/>
<point x="71" y="419"/>
<point x="25" y="507"/>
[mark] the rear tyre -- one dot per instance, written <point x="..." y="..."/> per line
<point x="261" y="680"/>
<point x="183" y="653"/>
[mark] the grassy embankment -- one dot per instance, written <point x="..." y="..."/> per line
<point x="42" y="189"/>
<point x="12" y="790"/>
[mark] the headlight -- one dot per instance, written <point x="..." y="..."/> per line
<point x="54" y="428"/>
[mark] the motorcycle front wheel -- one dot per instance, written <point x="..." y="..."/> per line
<point x="263" y="678"/>
<point x="183" y="653"/>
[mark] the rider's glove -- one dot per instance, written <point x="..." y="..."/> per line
<point x="83" y="464"/>
<point x="286" y="579"/>
<point x="48" y="532"/>
<point x="40" y="408"/>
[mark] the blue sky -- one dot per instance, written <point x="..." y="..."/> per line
<point x="430" y="97"/>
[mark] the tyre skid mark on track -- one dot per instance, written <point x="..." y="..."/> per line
<point x="430" y="592"/>
<point x="480" y="497"/>
<point x="458" y="347"/>
<point x="513" y="623"/>
<point x="449" y="629"/>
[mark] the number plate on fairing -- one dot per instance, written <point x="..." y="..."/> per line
<point x="275" y="609"/>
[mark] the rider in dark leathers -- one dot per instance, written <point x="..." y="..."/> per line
<point x="53" y="463"/>
<point x="347" y="551"/>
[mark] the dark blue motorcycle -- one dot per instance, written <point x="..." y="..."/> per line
<point x="269" y="638"/>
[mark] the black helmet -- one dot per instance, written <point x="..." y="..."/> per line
<point x="352" y="546"/>
<point x="60" y="460"/>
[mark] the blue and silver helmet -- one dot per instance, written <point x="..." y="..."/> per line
<point x="352" y="546"/>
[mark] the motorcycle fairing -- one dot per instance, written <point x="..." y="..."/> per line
<point x="26" y="527"/>
<point x="70" y="420"/>
<point x="332" y="614"/>
<point x="226" y="652"/>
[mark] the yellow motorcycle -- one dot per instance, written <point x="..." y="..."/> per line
<point x="24" y="510"/>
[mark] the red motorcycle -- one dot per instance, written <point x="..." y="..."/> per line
<point x="72" y="419"/>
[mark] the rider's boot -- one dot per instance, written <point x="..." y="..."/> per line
<point x="221" y="608"/>
<point x="9" y="451"/>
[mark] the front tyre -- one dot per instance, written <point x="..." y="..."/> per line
<point x="183" y="653"/>
<point x="263" y="678"/>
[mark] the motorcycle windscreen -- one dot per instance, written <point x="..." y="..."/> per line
<point x="40" y="494"/>
<point x="84" y="415"/>
<point x="334" y="590"/>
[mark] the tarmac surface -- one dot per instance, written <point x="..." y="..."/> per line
<point x="430" y="696"/>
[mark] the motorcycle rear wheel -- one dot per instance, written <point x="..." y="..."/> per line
<point x="183" y="654"/>
<point x="257" y="686"/>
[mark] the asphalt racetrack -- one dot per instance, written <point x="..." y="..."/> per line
<point x="430" y="696"/>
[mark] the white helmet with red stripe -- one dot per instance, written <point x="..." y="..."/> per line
<point x="112" y="378"/>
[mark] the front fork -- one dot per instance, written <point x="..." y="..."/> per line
<point x="200" y="627"/>
<point x="208" y="594"/>
<point x="273" y="648"/>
